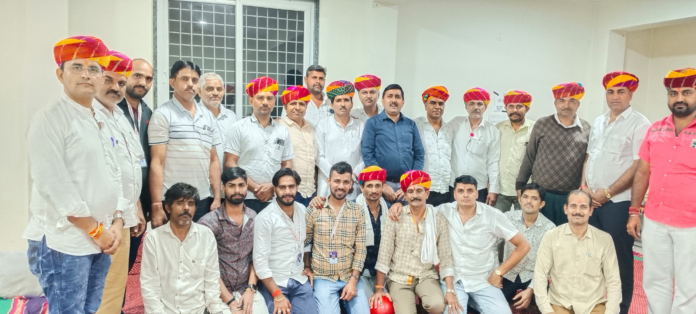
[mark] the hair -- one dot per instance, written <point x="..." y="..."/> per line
<point x="180" y="190"/>
<point x="209" y="76"/>
<point x="341" y="167"/>
<point x="286" y="172"/>
<point x="315" y="68"/>
<point x="393" y="86"/>
<point x="334" y="97"/>
<point x="534" y="186"/>
<point x="465" y="179"/>
<point x="232" y="173"/>
<point x="181" y="64"/>
<point x="579" y="192"/>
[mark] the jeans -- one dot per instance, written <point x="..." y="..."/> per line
<point x="327" y="294"/>
<point x="300" y="296"/>
<point x="72" y="284"/>
<point x="489" y="300"/>
<point x="304" y="200"/>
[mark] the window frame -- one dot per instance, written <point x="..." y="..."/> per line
<point x="161" y="85"/>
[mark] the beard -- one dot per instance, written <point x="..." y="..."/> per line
<point x="282" y="201"/>
<point x="333" y="194"/>
<point x="682" y="113"/>
<point x="516" y="117"/>
<point x="236" y="201"/>
<point x="130" y="91"/>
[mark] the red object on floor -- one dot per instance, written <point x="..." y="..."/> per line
<point x="385" y="308"/>
<point x="134" y="300"/>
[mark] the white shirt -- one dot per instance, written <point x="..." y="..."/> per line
<point x="473" y="244"/>
<point x="314" y="114"/>
<point x="225" y="120"/>
<point x="75" y="173"/>
<point x="438" y="153"/>
<point x="279" y="243"/>
<point x="362" y="115"/>
<point x="180" y="276"/>
<point x="476" y="155"/>
<point x="576" y="122"/>
<point x="260" y="150"/>
<point x="334" y="144"/>
<point x="189" y="142"/>
<point x="612" y="149"/>
<point x="129" y="154"/>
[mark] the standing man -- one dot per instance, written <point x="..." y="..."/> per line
<point x="295" y="100"/>
<point x="476" y="146"/>
<point x="338" y="138"/>
<point x="514" y="136"/>
<point x="76" y="218"/>
<point x="556" y="151"/>
<point x="668" y="166"/>
<point x="128" y="157"/>
<point x="183" y="138"/>
<point x="436" y="136"/>
<point x="368" y="91"/>
<point x="581" y="262"/>
<point x="180" y="270"/>
<point x="319" y="107"/>
<point x="410" y="249"/>
<point x="337" y="233"/>
<point x="392" y="141"/>
<point x="279" y="237"/>
<point x="211" y="90"/>
<point x="259" y="145"/>
<point x="233" y="227"/>
<point x="138" y="115"/>
<point x="612" y="158"/>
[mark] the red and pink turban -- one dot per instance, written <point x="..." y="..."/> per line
<point x="295" y="93"/>
<point x="415" y="177"/>
<point x="367" y="81"/>
<point x="261" y="85"/>
<point x="372" y="173"/>
<point x="477" y="93"/>
<point x="81" y="47"/>
<point x="120" y="64"/>
<point x="620" y="79"/>
<point x="437" y="92"/>
<point x="517" y="97"/>
<point x="572" y="89"/>
<point x="340" y="88"/>
<point x="685" y="77"/>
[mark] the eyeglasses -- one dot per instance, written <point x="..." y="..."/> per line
<point x="79" y="69"/>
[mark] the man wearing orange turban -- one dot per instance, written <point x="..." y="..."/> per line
<point x="611" y="158"/>
<point x="260" y="145"/>
<point x="437" y="136"/>
<point x="77" y="203"/>
<point x="476" y="146"/>
<point x="668" y="166"/>
<point x="368" y="91"/>
<point x="556" y="151"/>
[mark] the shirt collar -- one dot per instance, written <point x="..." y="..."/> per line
<point x="222" y="213"/>
<point x="168" y="229"/>
<point x="576" y="122"/>
<point x="567" y="231"/>
<point x="482" y="124"/>
<point x="525" y="124"/>
<point x="182" y="109"/>
<point x="256" y="120"/>
<point x="383" y="115"/>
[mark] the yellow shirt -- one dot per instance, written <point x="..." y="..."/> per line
<point x="513" y="145"/>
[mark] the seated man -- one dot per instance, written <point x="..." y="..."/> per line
<point x="180" y="271"/>
<point x="581" y="261"/>
<point x="233" y="227"/>
<point x="337" y="230"/>
<point x="409" y="251"/>
<point x="532" y="225"/>
<point x="279" y="236"/>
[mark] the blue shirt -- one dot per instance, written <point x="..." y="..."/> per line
<point x="395" y="147"/>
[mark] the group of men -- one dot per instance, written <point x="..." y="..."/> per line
<point x="302" y="203"/>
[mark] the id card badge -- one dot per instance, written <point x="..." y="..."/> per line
<point x="299" y="258"/>
<point x="143" y="163"/>
<point x="333" y="257"/>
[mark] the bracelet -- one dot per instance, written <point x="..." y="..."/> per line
<point x="97" y="232"/>
<point x="379" y="286"/>
<point x="158" y="203"/>
<point x="276" y="293"/>
<point x="635" y="211"/>
<point x="582" y="186"/>
<point x="274" y="300"/>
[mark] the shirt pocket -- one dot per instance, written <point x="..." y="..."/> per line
<point x="615" y="144"/>
<point x="593" y="267"/>
<point x="205" y="136"/>
<point x="477" y="147"/>
<point x="276" y="148"/>
<point x="686" y="155"/>
<point x="196" y="267"/>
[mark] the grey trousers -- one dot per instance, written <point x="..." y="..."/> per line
<point x="504" y="203"/>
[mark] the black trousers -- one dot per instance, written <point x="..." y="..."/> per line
<point x="510" y="289"/>
<point x="553" y="210"/>
<point x="202" y="208"/>
<point x="436" y="199"/>
<point x="256" y="205"/>
<point x="612" y="219"/>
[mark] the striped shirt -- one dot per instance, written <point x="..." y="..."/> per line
<point x="189" y="142"/>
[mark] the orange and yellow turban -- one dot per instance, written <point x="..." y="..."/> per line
<point x="340" y="88"/>
<point x="367" y="81"/>
<point x="477" y="93"/>
<point x="620" y="79"/>
<point x="120" y="64"/>
<point x="81" y="47"/>
<point x="372" y="173"/>
<point x="436" y="91"/>
<point x="572" y="89"/>
<point x="413" y="177"/>
<point x="685" y="77"/>
<point x="295" y="93"/>
<point x="261" y="85"/>
<point x="517" y="97"/>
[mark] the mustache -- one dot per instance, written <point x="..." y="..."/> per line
<point x="680" y="103"/>
<point x="115" y="92"/>
<point x="578" y="215"/>
<point x="184" y="214"/>
<point x="416" y="199"/>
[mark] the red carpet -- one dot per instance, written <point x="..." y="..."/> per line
<point x="134" y="301"/>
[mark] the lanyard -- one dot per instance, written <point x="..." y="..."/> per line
<point x="298" y="236"/>
<point x="338" y="220"/>
<point x="136" y="124"/>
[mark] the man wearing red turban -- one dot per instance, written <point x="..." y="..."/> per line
<point x="612" y="155"/>
<point x="77" y="203"/>
<point x="368" y="91"/>
<point x="668" y="166"/>
<point x="556" y="151"/>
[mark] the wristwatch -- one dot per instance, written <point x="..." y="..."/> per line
<point x="498" y="272"/>
<point x="451" y="291"/>
<point x="606" y="193"/>
<point x="117" y="215"/>
<point x="231" y="300"/>
<point x="252" y="287"/>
